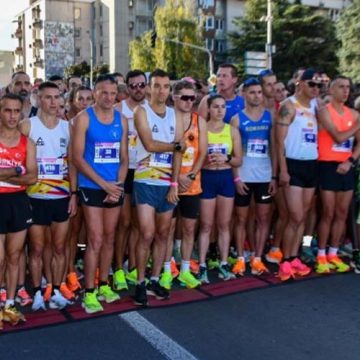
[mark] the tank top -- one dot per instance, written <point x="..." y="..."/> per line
<point x="233" y="107"/>
<point x="12" y="157"/>
<point x="255" y="137"/>
<point x="132" y="133"/>
<point x="102" y="149"/>
<point x="52" y="160"/>
<point x="191" y="154"/>
<point x="329" y="150"/>
<point x="301" y="140"/>
<point x="156" y="168"/>
<point x="220" y="142"/>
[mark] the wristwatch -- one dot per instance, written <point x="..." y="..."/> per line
<point x="191" y="176"/>
<point x="177" y="146"/>
<point x="18" y="170"/>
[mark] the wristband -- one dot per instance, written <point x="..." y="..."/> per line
<point x="174" y="184"/>
<point x="74" y="192"/>
<point x="352" y="160"/>
<point x="120" y="184"/>
<point x="237" y="179"/>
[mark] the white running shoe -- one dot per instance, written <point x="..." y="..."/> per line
<point x="57" y="301"/>
<point x="38" y="302"/>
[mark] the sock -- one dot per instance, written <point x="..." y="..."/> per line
<point x="333" y="251"/>
<point x="275" y="248"/>
<point x="89" y="290"/>
<point x="203" y="265"/>
<point x="141" y="283"/>
<point x="154" y="278"/>
<point x="321" y="252"/>
<point x="167" y="266"/>
<point x="185" y="265"/>
<point x="291" y="258"/>
<point x="241" y="258"/>
<point x="257" y="258"/>
<point x="19" y="287"/>
<point x="177" y="245"/>
<point x="55" y="287"/>
<point x="223" y="263"/>
<point x="9" y="302"/>
<point x="306" y="241"/>
<point x="102" y="283"/>
<point x="36" y="289"/>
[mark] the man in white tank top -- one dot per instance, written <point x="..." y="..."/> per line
<point x="127" y="229"/>
<point x="159" y="154"/>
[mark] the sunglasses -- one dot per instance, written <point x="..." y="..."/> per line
<point x="140" y="85"/>
<point x="312" y="84"/>
<point x="187" y="97"/>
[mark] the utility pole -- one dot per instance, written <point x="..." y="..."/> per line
<point x="269" y="35"/>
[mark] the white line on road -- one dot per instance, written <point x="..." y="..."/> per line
<point x="159" y="340"/>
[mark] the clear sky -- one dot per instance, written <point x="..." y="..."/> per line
<point x="8" y="10"/>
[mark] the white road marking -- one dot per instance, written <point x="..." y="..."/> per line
<point x="159" y="340"/>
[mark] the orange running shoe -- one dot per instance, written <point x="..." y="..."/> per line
<point x="274" y="256"/>
<point x="3" y="296"/>
<point x="239" y="267"/>
<point x="285" y="271"/>
<point x="66" y="292"/>
<point x="73" y="282"/>
<point x="174" y="270"/>
<point x="258" y="267"/>
<point x="194" y="266"/>
<point x="23" y="297"/>
<point x="300" y="268"/>
<point x="47" y="293"/>
<point x="337" y="264"/>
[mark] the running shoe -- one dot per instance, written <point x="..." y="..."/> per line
<point x="300" y="268"/>
<point x="166" y="280"/>
<point x="337" y="264"/>
<point x="213" y="264"/>
<point x="321" y="265"/>
<point x="202" y="276"/>
<point x="187" y="279"/>
<point x="239" y="267"/>
<point x="274" y="256"/>
<point x="140" y="297"/>
<point x="23" y="297"/>
<point x="73" y="283"/>
<point x="3" y="296"/>
<point x="194" y="266"/>
<point x="57" y="301"/>
<point x="131" y="276"/>
<point x="307" y="255"/>
<point x="153" y="288"/>
<point x="47" y="293"/>
<point x="174" y="270"/>
<point x="119" y="281"/>
<point x="258" y="267"/>
<point x="106" y="294"/>
<point x="66" y="292"/>
<point x="285" y="271"/>
<point x="225" y="273"/>
<point x="355" y="262"/>
<point x="90" y="303"/>
<point x="12" y="315"/>
<point x="38" y="302"/>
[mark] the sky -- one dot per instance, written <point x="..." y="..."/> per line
<point x="7" y="13"/>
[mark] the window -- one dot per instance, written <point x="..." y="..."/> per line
<point x="101" y="50"/>
<point x="219" y="24"/>
<point x="77" y="13"/>
<point x="209" y="24"/>
<point x="210" y="44"/>
<point x="100" y="30"/>
<point x="77" y="32"/>
<point x="77" y="52"/>
<point x="100" y="10"/>
<point x="219" y="46"/>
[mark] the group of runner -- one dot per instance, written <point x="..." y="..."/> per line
<point x="161" y="186"/>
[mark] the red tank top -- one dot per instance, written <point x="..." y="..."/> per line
<point x="11" y="157"/>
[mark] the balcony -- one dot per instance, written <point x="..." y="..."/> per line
<point x="38" y="44"/>
<point x="37" y="24"/>
<point x="39" y="62"/>
<point x="19" y="51"/>
<point x="18" y="33"/>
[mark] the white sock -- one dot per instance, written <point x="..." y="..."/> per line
<point x="307" y="240"/>
<point x="167" y="266"/>
<point x="241" y="258"/>
<point x="333" y="251"/>
<point x="185" y="265"/>
<point x="177" y="245"/>
<point x="203" y="265"/>
<point x="223" y="263"/>
<point x="257" y="258"/>
<point x="275" y="248"/>
<point x="321" y="252"/>
<point x="9" y="302"/>
<point x="154" y="278"/>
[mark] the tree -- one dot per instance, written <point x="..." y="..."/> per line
<point x="82" y="69"/>
<point x="303" y="38"/>
<point x="175" y="20"/>
<point x="348" y="33"/>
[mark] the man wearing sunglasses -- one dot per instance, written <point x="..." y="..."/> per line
<point x="136" y="84"/>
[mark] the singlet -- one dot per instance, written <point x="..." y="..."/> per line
<point x="301" y="140"/>
<point x="102" y="149"/>
<point x="191" y="154"/>
<point x="329" y="150"/>
<point x="156" y="168"/>
<point x="255" y="137"/>
<point x="220" y="142"/>
<point x="52" y="160"/>
<point x="132" y="134"/>
<point x="12" y="157"/>
<point x="233" y="107"/>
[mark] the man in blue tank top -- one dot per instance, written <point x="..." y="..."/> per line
<point x="101" y="157"/>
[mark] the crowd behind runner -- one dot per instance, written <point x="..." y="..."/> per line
<point x="161" y="181"/>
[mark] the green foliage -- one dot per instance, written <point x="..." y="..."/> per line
<point x="175" y="20"/>
<point x="303" y="38"/>
<point x="83" y="69"/>
<point x="348" y="33"/>
<point x="100" y="69"/>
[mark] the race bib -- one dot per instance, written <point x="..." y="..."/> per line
<point x="50" y="168"/>
<point x="163" y="160"/>
<point x="217" y="148"/>
<point x="188" y="157"/>
<point x="346" y="146"/>
<point x="107" y="153"/>
<point x="308" y="136"/>
<point x="257" y="148"/>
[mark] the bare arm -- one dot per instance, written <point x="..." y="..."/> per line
<point x="124" y="158"/>
<point x="203" y="109"/>
<point x="236" y="159"/>
<point x="24" y="127"/>
<point x="203" y="145"/>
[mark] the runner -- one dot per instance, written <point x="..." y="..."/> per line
<point x="159" y="152"/>
<point x="17" y="169"/>
<point x="101" y="158"/>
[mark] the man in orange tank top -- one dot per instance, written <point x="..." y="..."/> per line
<point x="337" y="178"/>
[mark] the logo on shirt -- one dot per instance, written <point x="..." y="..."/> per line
<point x="155" y="129"/>
<point x="172" y="130"/>
<point x="40" y="142"/>
<point x="62" y="142"/>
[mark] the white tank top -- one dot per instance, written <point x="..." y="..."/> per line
<point x="301" y="141"/>
<point x="51" y="155"/>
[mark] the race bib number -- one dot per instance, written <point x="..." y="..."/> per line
<point x="308" y="136"/>
<point x="346" y="146"/>
<point x="107" y="153"/>
<point x="50" y="169"/>
<point x="188" y="157"/>
<point x="163" y="160"/>
<point x="217" y="148"/>
<point x="257" y="148"/>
